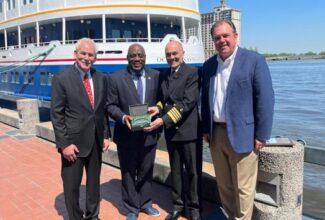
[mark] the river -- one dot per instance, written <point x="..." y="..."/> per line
<point x="299" y="111"/>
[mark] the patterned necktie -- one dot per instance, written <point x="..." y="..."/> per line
<point x="88" y="90"/>
<point x="140" y="88"/>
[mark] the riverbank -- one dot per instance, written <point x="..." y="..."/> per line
<point x="295" y="57"/>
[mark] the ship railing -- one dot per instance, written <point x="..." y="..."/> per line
<point x="111" y="40"/>
<point x="119" y="40"/>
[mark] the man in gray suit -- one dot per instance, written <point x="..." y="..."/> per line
<point x="237" y="114"/>
<point x="80" y="125"/>
<point x="136" y="149"/>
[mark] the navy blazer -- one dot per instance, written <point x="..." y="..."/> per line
<point x="249" y="103"/>
<point x="121" y="94"/>
<point x="73" y="118"/>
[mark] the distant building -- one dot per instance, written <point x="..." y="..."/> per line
<point x="220" y="12"/>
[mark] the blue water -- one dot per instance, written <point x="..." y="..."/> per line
<point x="299" y="88"/>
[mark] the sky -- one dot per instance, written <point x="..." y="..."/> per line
<point x="290" y="26"/>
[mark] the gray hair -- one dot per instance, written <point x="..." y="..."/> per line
<point x="88" y="40"/>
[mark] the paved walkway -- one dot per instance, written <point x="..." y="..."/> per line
<point x="31" y="186"/>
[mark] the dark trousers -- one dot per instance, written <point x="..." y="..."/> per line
<point x="71" y="173"/>
<point x="184" y="153"/>
<point x="136" y="164"/>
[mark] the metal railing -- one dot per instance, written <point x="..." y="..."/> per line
<point x="108" y="40"/>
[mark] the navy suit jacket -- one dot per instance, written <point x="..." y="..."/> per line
<point x="73" y="118"/>
<point x="249" y="103"/>
<point x="121" y="94"/>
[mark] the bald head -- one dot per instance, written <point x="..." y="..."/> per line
<point x="174" y="54"/>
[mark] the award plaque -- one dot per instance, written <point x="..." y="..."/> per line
<point x="140" y="117"/>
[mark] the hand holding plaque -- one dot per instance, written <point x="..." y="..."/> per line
<point x="140" y="117"/>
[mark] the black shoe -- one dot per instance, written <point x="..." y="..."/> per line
<point x="131" y="216"/>
<point x="174" y="215"/>
<point x="151" y="211"/>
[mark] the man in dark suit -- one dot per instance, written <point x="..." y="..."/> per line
<point x="237" y="114"/>
<point x="136" y="149"/>
<point x="178" y="107"/>
<point x="81" y="128"/>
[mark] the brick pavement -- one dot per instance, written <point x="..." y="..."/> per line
<point x="31" y="186"/>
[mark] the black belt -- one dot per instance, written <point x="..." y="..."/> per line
<point x="220" y="124"/>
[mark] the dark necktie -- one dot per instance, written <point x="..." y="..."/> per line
<point x="140" y="88"/>
<point x="170" y="77"/>
<point x="88" y="90"/>
<point x="172" y="73"/>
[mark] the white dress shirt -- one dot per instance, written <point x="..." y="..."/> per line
<point x="223" y="73"/>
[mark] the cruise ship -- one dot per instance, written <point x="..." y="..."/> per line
<point x="37" y="37"/>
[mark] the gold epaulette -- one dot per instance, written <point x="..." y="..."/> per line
<point x="174" y="114"/>
<point x="160" y="105"/>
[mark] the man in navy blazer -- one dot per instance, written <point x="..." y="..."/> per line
<point x="136" y="149"/>
<point x="237" y="114"/>
<point x="78" y="114"/>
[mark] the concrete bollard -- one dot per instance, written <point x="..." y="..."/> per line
<point x="28" y="115"/>
<point x="280" y="183"/>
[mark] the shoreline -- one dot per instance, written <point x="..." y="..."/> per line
<point x="295" y="57"/>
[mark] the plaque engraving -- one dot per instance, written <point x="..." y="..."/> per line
<point x="140" y="117"/>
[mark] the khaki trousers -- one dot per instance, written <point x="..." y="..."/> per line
<point x="236" y="175"/>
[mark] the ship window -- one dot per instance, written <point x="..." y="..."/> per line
<point x="31" y="78"/>
<point x="116" y="33"/>
<point x="113" y="51"/>
<point x="26" y="2"/>
<point x="5" y="77"/>
<point x="25" y="78"/>
<point x="43" y="78"/>
<point x="127" y="34"/>
<point x="12" y="75"/>
<point x="16" y="77"/>
<point x="11" y="4"/>
<point x="100" y="52"/>
<point x="49" y="78"/>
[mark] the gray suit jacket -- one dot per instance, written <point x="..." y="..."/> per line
<point x="73" y="118"/>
